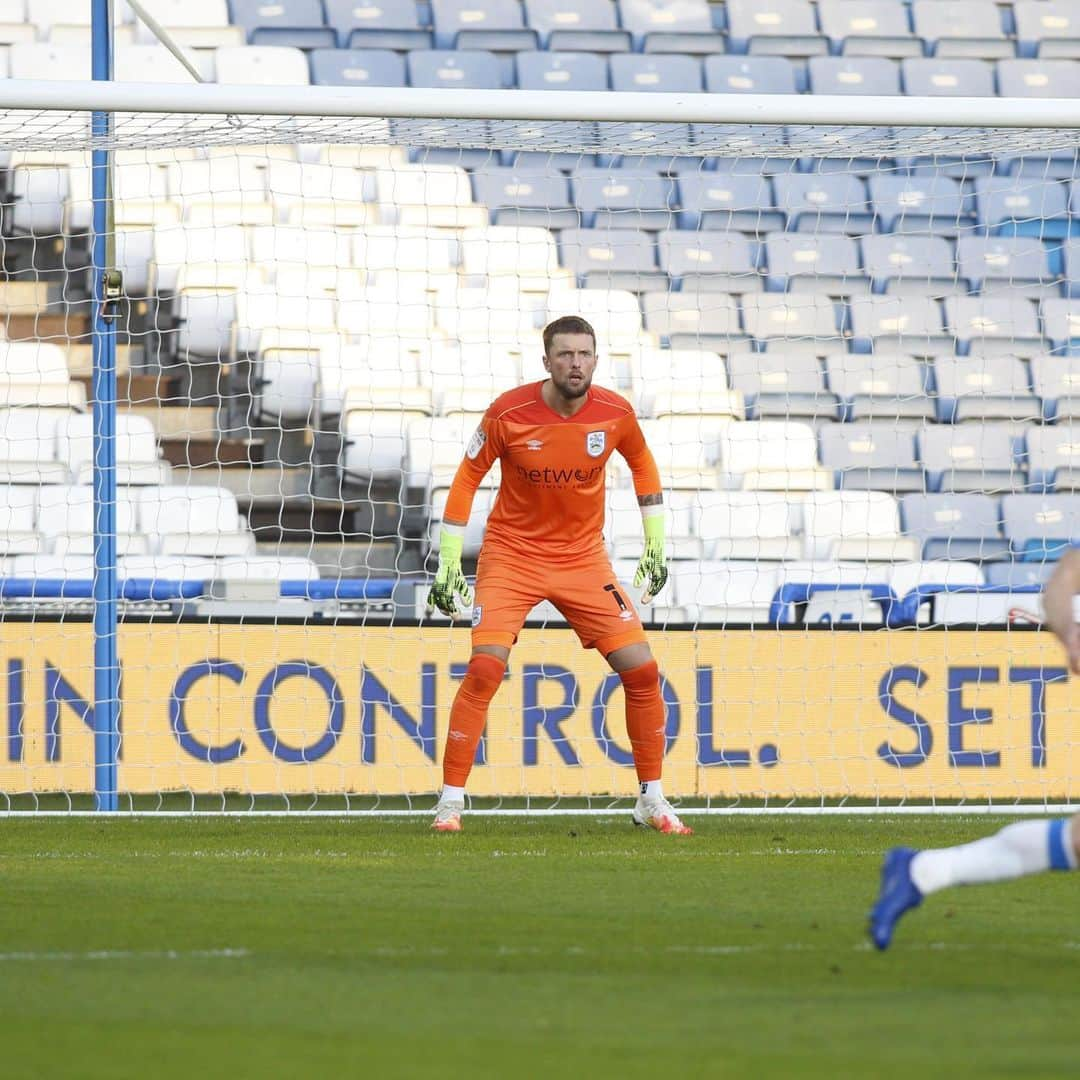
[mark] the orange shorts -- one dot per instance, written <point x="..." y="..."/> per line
<point x="595" y="605"/>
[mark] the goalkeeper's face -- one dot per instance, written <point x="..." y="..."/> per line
<point x="571" y="361"/>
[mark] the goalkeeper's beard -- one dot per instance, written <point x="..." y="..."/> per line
<point x="569" y="390"/>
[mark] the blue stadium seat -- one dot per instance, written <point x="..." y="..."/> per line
<point x="709" y="261"/>
<point x="1015" y="574"/>
<point x="495" y="25"/>
<point x="361" y="24"/>
<point x="1038" y="524"/>
<point x="623" y="198"/>
<point x="776" y="27"/>
<point x="823" y="202"/>
<point x="357" y="67"/>
<point x="671" y="26"/>
<point x="1047" y="28"/>
<point x="710" y="200"/>
<point x="1061" y="323"/>
<point x="749" y="75"/>
<point x="1071" y="263"/>
<point x="907" y="324"/>
<point x="782" y="385"/>
<point x="994" y="323"/>
<point x="1056" y="381"/>
<point x="525" y="196"/>
<point x="942" y="77"/>
<point x="871" y="457"/>
<point x="561" y="71"/>
<point x="879" y="386"/>
<point x="919" y="204"/>
<point x="970" y="457"/>
<point x="283" y="22"/>
<point x="909" y="265"/>
<point x="801" y="322"/>
<point x="611" y="259"/>
<point x="1017" y="264"/>
<point x="1054" y="457"/>
<point x="961" y="28"/>
<point x="577" y="25"/>
<point x="661" y="74"/>
<point x="804" y="262"/>
<point x="1038" y="78"/>
<point x="983" y="388"/>
<point x="955" y="526"/>
<point x="1022" y="206"/>
<point x="853" y="75"/>
<point x="455" y="69"/>
<point x="868" y="28"/>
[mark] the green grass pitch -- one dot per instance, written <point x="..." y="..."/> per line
<point x="524" y="947"/>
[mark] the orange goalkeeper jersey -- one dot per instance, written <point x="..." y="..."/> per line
<point x="551" y="497"/>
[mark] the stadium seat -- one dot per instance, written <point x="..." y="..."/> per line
<point x="803" y="262"/>
<point x="561" y="71"/>
<point x="970" y="458"/>
<point x="1054" y="457"/>
<point x="614" y="313"/>
<point x="498" y="25"/>
<point x="1061" y="323"/>
<point x="880" y="386"/>
<point x="709" y="261"/>
<point x="919" y="204"/>
<point x="1016" y="265"/>
<point x="939" y="77"/>
<point x="728" y="202"/>
<point x="525" y="196"/>
<point x="623" y="526"/>
<point x="374" y="443"/>
<point x="52" y="17"/>
<point x="455" y="69"/>
<point x="1047" y="28"/>
<point x="52" y="567"/>
<point x="660" y="74"/>
<point x="684" y="381"/>
<point x="900" y="264"/>
<point x="1056" y="380"/>
<point x="18" y="525"/>
<point x="776" y="27"/>
<point x="154" y="63"/>
<point x="823" y="202"/>
<point x="749" y="75"/>
<point x="961" y="28"/>
<point x="993" y="324"/>
<point x="623" y="198"/>
<point x="983" y="388"/>
<point x="28" y="446"/>
<point x="694" y="321"/>
<point x="782" y="386"/>
<point x="35" y="373"/>
<point x="263" y="65"/>
<point x="1038" y="78"/>
<point x="40" y="60"/>
<point x="855" y="525"/>
<point x="65" y="518"/>
<point x="771" y="455"/>
<point x="907" y="324"/>
<point x="780" y="321"/>
<point x="357" y="67"/>
<point x="685" y="452"/>
<point x="756" y="525"/>
<point x="190" y="520"/>
<point x="365" y="25"/>
<point x="870" y="457"/>
<point x="265" y="568"/>
<point x="671" y="26"/>
<point x="612" y="258"/>
<point x="1019" y="573"/>
<point x="197" y="24"/>
<point x="723" y="592"/>
<point x="137" y="458"/>
<point x="1040" y="524"/>
<point x="285" y="22"/>
<point x="521" y="254"/>
<point x="954" y="526"/>
<point x="854" y="75"/>
<point x="427" y="198"/>
<point x="587" y="26"/>
<point x="868" y="28"/>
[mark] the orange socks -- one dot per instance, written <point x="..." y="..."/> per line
<point x="468" y="715"/>
<point x="645" y="719"/>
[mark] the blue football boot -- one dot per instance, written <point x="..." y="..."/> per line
<point x="898" y="894"/>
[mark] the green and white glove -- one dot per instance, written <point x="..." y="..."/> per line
<point x="652" y="570"/>
<point x="449" y="577"/>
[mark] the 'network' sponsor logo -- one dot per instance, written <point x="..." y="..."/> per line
<point x="549" y="477"/>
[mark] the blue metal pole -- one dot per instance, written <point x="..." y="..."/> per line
<point x="106" y="662"/>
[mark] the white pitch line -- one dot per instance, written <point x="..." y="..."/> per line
<point x="128" y="954"/>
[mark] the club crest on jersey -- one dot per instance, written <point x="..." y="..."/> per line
<point x="477" y="614"/>
<point x="595" y="442"/>
<point x="476" y="444"/>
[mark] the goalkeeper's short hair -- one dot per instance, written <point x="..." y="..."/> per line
<point x="567" y="324"/>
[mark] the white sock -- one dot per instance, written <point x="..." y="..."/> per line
<point x="452" y="794"/>
<point x="652" y="789"/>
<point x="1027" y="847"/>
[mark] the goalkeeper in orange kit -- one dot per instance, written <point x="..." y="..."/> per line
<point x="544" y="541"/>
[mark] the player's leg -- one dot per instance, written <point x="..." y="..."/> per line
<point x="595" y="605"/>
<point x="1027" y="847"/>
<point x="504" y="596"/>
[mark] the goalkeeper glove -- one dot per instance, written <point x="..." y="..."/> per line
<point x="653" y="565"/>
<point x="449" y="578"/>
